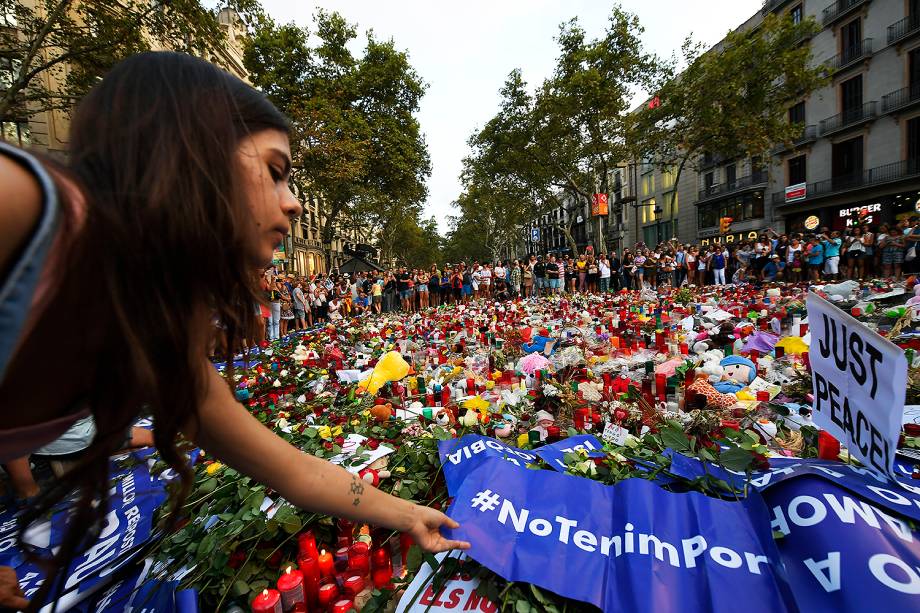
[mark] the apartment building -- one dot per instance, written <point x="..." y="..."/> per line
<point x="856" y="160"/>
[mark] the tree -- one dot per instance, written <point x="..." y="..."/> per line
<point x="355" y="138"/>
<point x="53" y="51"/>
<point x="733" y="100"/>
<point x="555" y="149"/>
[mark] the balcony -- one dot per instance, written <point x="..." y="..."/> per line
<point x="901" y="99"/>
<point x="758" y="179"/>
<point x="851" y="55"/>
<point x="770" y="6"/>
<point x="840" y="9"/>
<point x="904" y="29"/>
<point x="809" y="135"/>
<point x="848" y="119"/>
<point x="889" y="173"/>
<point x="308" y="243"/>
<point x="711" y="160"/>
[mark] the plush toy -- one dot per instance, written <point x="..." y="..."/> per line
<point x="539" y="343"/>
<point x="375" y="472"/>
<point x="544" y="420"/>
<point x="713" y="397"/>
<point x="739" y="373"/>
<point x="506" y="428"/>
<point x="391" y="367"/>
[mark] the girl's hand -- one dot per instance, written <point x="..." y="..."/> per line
<point x="425" y="530"/>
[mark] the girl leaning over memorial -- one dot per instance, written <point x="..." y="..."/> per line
<point x="193" y="204"/>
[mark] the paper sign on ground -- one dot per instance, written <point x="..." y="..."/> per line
<point x="458" y="594"/>
<point x="368" y="457"/>
<point x="859" y="381"/>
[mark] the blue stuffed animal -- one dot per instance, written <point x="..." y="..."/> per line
<point x="740" y="372"/>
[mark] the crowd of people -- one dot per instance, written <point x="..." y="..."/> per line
<point x="297" y="302"/>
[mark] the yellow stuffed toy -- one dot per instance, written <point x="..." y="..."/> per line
<point x="391" y="367"/>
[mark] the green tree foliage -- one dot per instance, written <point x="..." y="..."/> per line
<point x="732" y="100"/>
<point x="556" y="148"/>
<point x="355" y="138"/>
<point x="53" y="51"/>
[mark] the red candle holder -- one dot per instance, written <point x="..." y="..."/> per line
<point x="380" y="558"/>
<point x="306" y="544"/>
<point x="328" y="594"/>
<point x="291" y="587"/>
<point x="269" y="601"/>
<point x="342" y="606"/>
<point x="309" y="568"/>
<point x="353" y="585"/>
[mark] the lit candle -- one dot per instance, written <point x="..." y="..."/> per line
<point x="326" y="564"/>
<point x="342" y="606"/>
<point x="328" y="593"/>
<point x="290" y="584"/>
<point x="269" y="601"/>
<point x="353" y="586"/>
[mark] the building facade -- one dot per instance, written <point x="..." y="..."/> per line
<point x="858" y="160"/>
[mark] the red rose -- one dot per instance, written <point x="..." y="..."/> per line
<point x="340" y="440"/>
<point x="327" y="445"/>
<point x="236" y="559"/>
<point x="372" y="443"/>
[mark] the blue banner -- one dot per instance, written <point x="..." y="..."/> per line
<point x="627" y="547"/>
<point x="841" y="553"/>
<point x="554" y="453"/>
<point x="900" y="497"/>
<point x="461" y="456"/>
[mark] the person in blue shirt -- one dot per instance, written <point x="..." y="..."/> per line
<point x="774" y="269"/>
<point x="831" y="247"/>
<point x="815" y="253"/>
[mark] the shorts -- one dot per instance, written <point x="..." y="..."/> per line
<point x="467" y="289"/>
<point x="300" y="314"/>
<point x="539" y="282"/>
<point x="855" y="255"/>
<point x="485" y="282"/>
<point x="422" y="289"/>
<point x="377" y="299"/>
<point x="555" y="283"/>
<point x="405" y="294"/>
<point x="831" y="265"/>
<point x="892" y="255"/>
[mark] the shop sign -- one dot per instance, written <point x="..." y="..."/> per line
<point x="859" y="215"/>
<point x="812" y="222"/>
<point x="797" y="192"/>
<point x="599" y="205"/>
<point x="728" y="239"/>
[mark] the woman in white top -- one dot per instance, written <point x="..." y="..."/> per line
<point x="334" y="306"/>
<point x="603" y="268"/>
<point x="794" y="260"/>
<point x="869" y="262"/>
<point x="856" y="254"/>
<point x="485" y="281"/>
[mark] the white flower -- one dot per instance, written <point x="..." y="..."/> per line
<point x="283" y="373"/>
<point x="277" y="383"/>
<point x="550" y="390"/>
<point x="269" y="352"/>
<point x="301" y="399"/>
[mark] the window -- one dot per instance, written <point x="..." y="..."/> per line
<point x="648" y="210"/>
<point x="16" y="133"/>
<point x="648" y="184"/>
<point x="851" y="97"/>
<point x="796" y="14"/>
<point x="668" y="176"/>
<point x="797" y="172"/>
<point x="851" y="40"/>
<point x="797" y="114"/>
<point x="709" y="179"/>
<point x="847" y="163"/>
<point x="739" y="208"/>
<point x="913" y="142"/>
<point x="731" y="175"/>
<point x="670" y="212"/>
<point x="913" y="70"/>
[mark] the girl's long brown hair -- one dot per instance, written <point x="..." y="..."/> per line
<point x="167" y="247"/>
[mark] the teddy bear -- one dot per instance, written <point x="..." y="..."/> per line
<point x="376" y="471"/>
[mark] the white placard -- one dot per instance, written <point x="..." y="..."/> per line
<point x="352" y="442"/>
<point x="615" y="434"/>
<point x="458" y="594"/>
<point x="859" y="381"/>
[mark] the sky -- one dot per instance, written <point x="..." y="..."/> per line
<point x="465" y="50"/>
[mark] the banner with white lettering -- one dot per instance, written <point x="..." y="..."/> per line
<point x="628" y="547"/>
<point x="902" y="497"/>
<point x="859" y="380"/>
<point x="554" y="453"/>
<point x="841" y="553"/>
<point x="460" y="457"/>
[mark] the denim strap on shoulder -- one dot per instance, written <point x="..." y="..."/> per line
<point x="17" y="289"/>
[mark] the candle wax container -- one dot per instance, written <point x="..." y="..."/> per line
<point x="306" y="544"/>
<point x="291" y="587"/>
<point x="326" y="564"/>
<point x="269" y="601"/>
<point x="328" y="594"/>
<point x="342" y="606"/>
